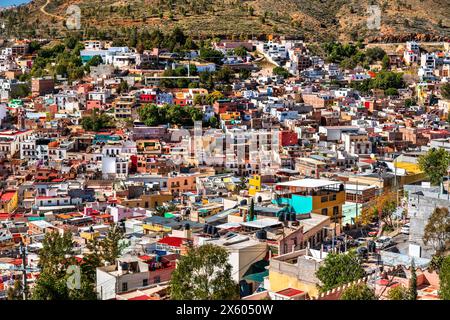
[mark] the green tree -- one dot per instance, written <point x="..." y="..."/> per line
<point x="339" y="269"/>
<point x="211" y="55"/>
<point x="224" y="75"/>
<point x="94" y="61"/>
<point x="445" y="90"/>
<point x="240" y="51"/>
<point x="399" y="293"/>
<point x="96" y="121"/>
<point x="387" y="79"/>
<point x="444" y="279"/>
<point x="436" y="262"/>
<point x="244" y="74"/>
<point x="375" y="54"/>
<point x="21" y="91"/>
<point x="251" y="212"/>
<point x="123" y="87"/>
<point x="413" y="282"/>
<point x="385" y="62"/>
<point x="279" y="71"/>
<point x="55" y="257"/>
<point x="204" y="274"/>
<point x="110" y="246"/>
<point x="391" y="92"/>
<point x="92" y="260"/>
<point x="16" y="291"/>
<point x="437" y="229"/>
<point x="213" y="122"/>
<point x="152" y="115"/>
<point x="358" y="292"/>
<point x="434" y="164"/>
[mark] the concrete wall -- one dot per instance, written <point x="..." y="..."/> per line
<point x="420" y="207"/>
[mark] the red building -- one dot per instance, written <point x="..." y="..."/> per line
<point x="288" y="138"/>
<point x="147" y="97"/>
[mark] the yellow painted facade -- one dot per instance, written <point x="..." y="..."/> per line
<point x="147" y="201"/>
<point x="328" y="202"/>
<point x="254" y="185"/>
<point x="9" y="201"/>
<point x="155" y="228"/>
<point x="230" y="116"/>
<point x="279" y="281"/>
<point x="89" y="235"/>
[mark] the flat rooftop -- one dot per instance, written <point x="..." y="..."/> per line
<point x="309" y="183"/>
<point x="260" y="224"/>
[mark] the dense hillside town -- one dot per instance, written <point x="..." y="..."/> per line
<point x="179" y="168"/>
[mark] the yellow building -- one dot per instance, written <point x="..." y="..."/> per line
<point x="89" y="235"/>
<point x="294" y="270"/>
<point x="227" y="116"/>
<point x="254" y="185"/>
<point x="147" y="201"/>
<point x="9" y="200"/>
<point x="154" y="227"/>
<point x="319" y="196"/>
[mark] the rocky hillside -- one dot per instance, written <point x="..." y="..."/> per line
<point x="313" y="20"/>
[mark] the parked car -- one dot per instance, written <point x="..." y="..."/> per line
<point x="383" y="242"/>
<point x="363" y="252"/>
<point x="361" y="241"/>
<point x="373" y="233"/>
<point x="405" y="229"/>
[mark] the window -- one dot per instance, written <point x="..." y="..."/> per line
<point x="145" y="282"/>
<point x="146" y="204"/>
<point x="157" y="279"/>
<point x="335" y="211"/>
<point x="324" y="199"/>
<point x="325" y="211"/>
<point x="125" y="286"/>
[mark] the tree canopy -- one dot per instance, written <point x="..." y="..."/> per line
<point x="153" y="115"/>
<point x="97" y="121"/>
<point x="57" y="255"/>
<point x="204" y="274"/>
<point x="399" y="293"/>
<point x="211" y="55"/>
<point x="339" y="269"/>
<point x="358" y="292"/>
<point x="437" y="229"/>
<point x="279" y="71"/>
<point x="444" y="278"/>
<point x="445" y="90"/>
<point x="434" y="164"/>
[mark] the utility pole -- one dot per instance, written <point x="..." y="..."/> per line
<point x="396" y="185"/>
<point x="357" y="202"/>
<point x="23" y="252"/>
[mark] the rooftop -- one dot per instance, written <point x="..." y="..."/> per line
<point x="309" y="183"/>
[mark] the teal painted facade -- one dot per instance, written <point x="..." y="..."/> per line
<point x="297" y="204"/>
<point x="105" y="138"/>
<point x="301" y="204"/>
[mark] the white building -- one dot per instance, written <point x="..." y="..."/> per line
<point x="243" y="252"/>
